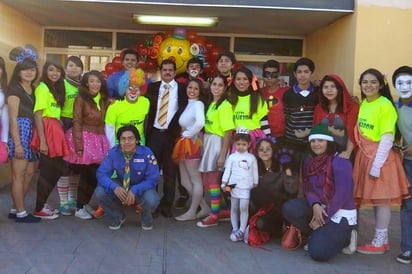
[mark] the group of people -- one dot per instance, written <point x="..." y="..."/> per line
<point x="225" y="135"/>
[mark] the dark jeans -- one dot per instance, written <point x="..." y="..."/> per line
<point x="87" y="184"/>
<point x="51" y="169"/>
<point x="326" y="241"/>
<point x="114" y="208"/>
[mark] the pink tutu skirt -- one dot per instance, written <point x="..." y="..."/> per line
<point x="95" y="148"/>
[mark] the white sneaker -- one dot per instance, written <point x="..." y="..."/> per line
<point x="351" y="248"/>
<point x="89" y="209"/>
<point x="83" y="214"/>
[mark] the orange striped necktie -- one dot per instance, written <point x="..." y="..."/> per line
<point x="164" y="104"/>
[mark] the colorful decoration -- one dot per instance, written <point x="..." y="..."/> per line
<point x="178" y="45"/>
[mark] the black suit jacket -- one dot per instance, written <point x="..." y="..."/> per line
<point x="153" y="94"/>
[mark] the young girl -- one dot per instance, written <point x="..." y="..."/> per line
<point x="20" y="101"/>
<point x="327" y="213"/>
<point x="219" y="128"/>
<point x="380" y="180"/>
<point x="49" y="137"/>
<point x="87" y="140"/>
<point x="337" y="110"/>
<point x="241" y="175"/>
<point x="4" y="116"/>
<point x="187" y="151"/>
<point x="249" y="107"/>
<point x="67" y="185"/>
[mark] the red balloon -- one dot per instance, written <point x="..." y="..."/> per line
<point x="191" y="35"/>
<point x="104" y="73"/>
<point x="110" y="68"/>
<point x="209" y="45"/>
<point x="117" y="62"/>
<point x="151" y="66"/>
<point x="199" y="40"/>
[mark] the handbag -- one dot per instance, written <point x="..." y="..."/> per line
<point x="292" y="238"/>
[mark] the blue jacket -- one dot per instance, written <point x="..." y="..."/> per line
<point x="144" y="171"/>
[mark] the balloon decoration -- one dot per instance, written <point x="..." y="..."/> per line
<point x="178" y="45"/>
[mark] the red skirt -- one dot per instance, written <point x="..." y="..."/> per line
<point x="56" y="142"/>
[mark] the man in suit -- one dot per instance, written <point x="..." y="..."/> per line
<point x="163" y="127"/>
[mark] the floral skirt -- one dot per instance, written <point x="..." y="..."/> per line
<point x="95" y="148"/>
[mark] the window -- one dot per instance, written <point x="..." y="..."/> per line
<point x="78" y="39"/>
<point x="268" y="46"/>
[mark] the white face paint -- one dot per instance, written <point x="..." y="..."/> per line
<point x="194" y="73"/>
<point x="403" y="86"/>
<point x="132" y="94"/>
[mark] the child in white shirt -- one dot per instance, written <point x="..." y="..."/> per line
<point x="240" y="176"/>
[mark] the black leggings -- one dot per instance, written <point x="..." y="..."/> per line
<point x="51" y="169"/>
<point x="87" y="184"/>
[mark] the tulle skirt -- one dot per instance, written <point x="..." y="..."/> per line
<point x="392" y="183"/>
<point x="95" y="148"/>
<point x="186" y="148"/>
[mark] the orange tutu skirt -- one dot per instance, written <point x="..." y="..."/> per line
<point x="186" y="148"/>
<point x="55" y="139"/>
<point x="392" y="183"/>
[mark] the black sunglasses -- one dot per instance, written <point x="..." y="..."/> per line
<point x="269" y="74"/>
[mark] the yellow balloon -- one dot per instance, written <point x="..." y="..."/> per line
<point x="177" y="50"/>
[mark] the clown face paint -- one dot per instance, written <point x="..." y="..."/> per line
<point x="132" y="94"/>
<point x="403" y="86"/>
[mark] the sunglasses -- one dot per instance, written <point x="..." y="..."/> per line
<point x="269" y="74"/>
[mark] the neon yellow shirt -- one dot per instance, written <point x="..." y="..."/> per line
<point x="96" y="99"/>
<point x="122" y="113"/>
<point x="71" y="93"/>
<point x="46" y="102"/>
<point x="241" y="113"/>
<point x="377" y="118"/>
<point x="219" y="120"/>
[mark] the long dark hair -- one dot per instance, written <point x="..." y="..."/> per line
<point x="224" y="95"/>
<point x="261" y="166"/>
<point x="84" y="88"/>
<point x="3" y="78"/>
<point x="57" y="89"/>
<point x="324" y="102"/>
<point x="25" y="64"/>
<point x="255" y="95"/>
<point x="383" y="84"/>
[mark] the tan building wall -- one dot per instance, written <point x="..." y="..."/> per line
<point x="378" y="34"/>
<point x="383" y="36"/>
<point x="333" y="49"/>
<point x="16" y="30"/>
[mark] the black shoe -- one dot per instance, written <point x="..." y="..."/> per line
<point x="28" y="219"/>
<point x="12" y="216"/>
<point x="405" y="257"/>
<point x="166" y="211"/>
<point x="181" y="202"/>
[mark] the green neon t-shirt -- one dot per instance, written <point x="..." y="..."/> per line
<point x="46" y="102"/>
<point x="122" y="113"/>
<point x="377" y="118"/>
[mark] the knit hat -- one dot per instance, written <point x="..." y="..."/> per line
<point x="320" y="131"/>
